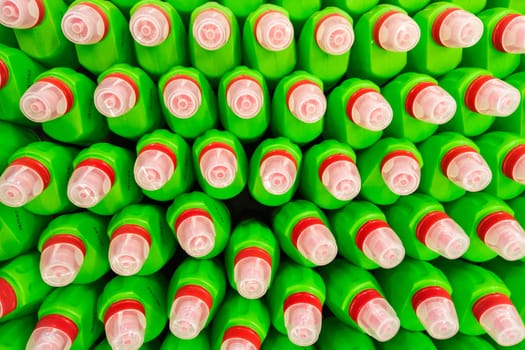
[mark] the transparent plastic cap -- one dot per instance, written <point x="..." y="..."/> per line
<point x="469" y="171"/>
<point x="196" y="235"/>
<point x="506" y="238"/>
<point x="87" y="186"/>
<point x="48" y="338"/>
<point x="19" y="184"/>
<point x="447" y="238"/>
<point x="307" y="103"/>
<point x="211" y="29"/>
<point x="252" y="277"/>
<point x="44" y="101"/>
<point x="19" y="14"/>
<point x="153" y="169"/>
<point x="188" y="316"/>
<point x="114" y="97"/>
<point x="278" y="174"/>
<point x="83" y="25"/>
<point x="127" y="253"/>
<point x="125" y="330"/>
<point x="342" y="180"/>
<point x="335" y="35"/>
<point x="218" y="167"/>
<point x="518" y="170"/>
<point x="303" y="323"/>
<point x="398" y="33"/>
<point x="245" y="98"/>
<point x="497" y="98"/>
<point x="274" y="31"/>
<point x="384" y="247"/>
<point x="503" y="323"/>
<point x="317" y="244"/>
<point x="438" y="316"/>
<point x="378" y="320"/>
<point x="149" y="26"/>
<point x="237" y="344"/>
<point x="371" y="111"/>
<point x="434" y="105"/>
<point x="182" y="97"/>
<point x="60" y="264"/>
<point x="460" y="29"/>
<point x="513" y="38"/>
<point x="401" y="174"/>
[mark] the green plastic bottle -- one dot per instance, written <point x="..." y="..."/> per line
<point x="241" y="323"/>
<point x="242" y="9"/>
<point x="503" y="152"/>
<point x="74" y="249"/>
<point x="268" y="43"/>
<point x="124" y="5"/>
<point x="61" y="99"/>
<point x="490" y="224"/>
<point x="276" y="340"/>
<point x="419" y="105"/>
<point x="304" y="233"/>
<point x="514" y="122"/>
<point x="17" y="73"/>
<point x="200" y="223"/>
<point x="426" y="230"/>
<point x="152" y="345"/>
<point x="251" y="259"/>
<point x="473" y="6"/>
<point x="383" y="36"/>
<point x="100" y="33"/>
<point x="22" y="288"/>
<point x="324" y="44"/>
<point x="410" y="6"/>
<point x="214" y="41"/>
<point x="453" y="166"/>
<point x="358" y="302"/>
<point x="446" y="29"/>
<point x="354" y="8"/>
<point x="15" y="334"/>
<point x="464" y="342"/>
<point x="188" y="102"/>
<point x="482" y="301"/>
<point x="364" y="237"/>
<point x="127" y="96"/>
<point x="220" y="162"/>
<point x="201" y="342"/>
<point x="140" y="240"/>
<point x="480" y="98"/>
<point x="102" y="181"/>
<point x="67" y="322"/>
<point x="408" y="340"/>
<point x="13" y="137"/>
<point x="133" y="310"/>
<point x="37" y="30"/>
<point x="36" y="178"/>
<point x="196" y="291"/>
<point x="163" y="167"/>
<point x="356" y="113"/>
<point x="298" y="108"/>
<point x="244" y="104"/>
<point x="185" y="8"/>
<point x="337" y="335"/>
<point x="499" y="50"/>
<point x="295" y="302"/>
<point x="516" y="5"/>
<point x="159" y="36"/>
<point x="274" y="171"/>
<point x="7" y="37"/>
<point x="421" y="295"/>
<point x="389" y="169"/>
<point x="299" y="12"/>
<point x="329" y="176"/>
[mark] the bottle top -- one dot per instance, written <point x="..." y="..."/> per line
<point x="190" y="311"/>
<point x="149" y="25"/>
<point x="23" y="180"/>
<point x="435" y="310"/>
<point x="240" y="338"/>
<point x="314" y="241"/>
<point x="8" y="298"/>
<point x="340" y="176"/>
<point x="218" y="164"/>
<point x="21" y="14"/>
<point x="306" y="101"/>
<point x="61" y="259"/>
<point x="274" y="31"/>
<point x="154" y="166"/>
<point x="401" y="172"/>
<point x="491" y="96"/>
<point x="466" y="168"/>
<point x="334" y="34"/>
<point x="380" y="244"/>
<point x="195" y="232"/>
<point x="128" y="249"/>
<point x="211" y="29"/>
<point x="456" y="28"/>
<point x="303" y="318"/>
<point x="53" y="332"/>
<point x="369" y="109"/>
<point x="396" y="32"/>
<point x="85" y="24"/>
<point x="4" y="74"/>
<point x="116" y="95"/>
<point x="278" y="172"/>
<point x="90" y="182"/>
<point x="514" y="164"/>
<point x="47" y="99"/>
<point x="430" y="103"/>
<point x="245" y="97"/>
<point x="252" y="272"/>
<point x="509" y="34"/>
<point x="125" y="325"/>
<point x="182" y="96"/>
<point x="503" y="234"/>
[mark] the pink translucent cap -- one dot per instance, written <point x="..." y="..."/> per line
<point x="49" y="338"/>
<point x="341" y="178"/>
<point x="432" y="104"/>
<point x="514" y="164"/>
<point x="115" y="96"/>
<point x="380" y="244"/>
<point x="45" y="100"/>
<point x="370" y="110"/>
<point x="443" y="235"/>
<point x="493" y="97"/>
<point x="252" y="276"/>
<point x="83" y="24"/>
<point x="87" y="186"/>
<point x="20" y="14"/>
<point x="245" y="97"/>
<point x="60" y="263"/>
<point x="182" y="97"/>
<point x="401" y="173"/>
<point x="303" y="323"/>
<point x="307" y="102"/>
<point x="314" y="241"/>
<point x="466" y="168"/>
<point x="377" y="318"/>
<point x="438" y="315"/>
<point x="274" y="31"/>
<point x="211" y="29"/>
<point x="503" y="234"/>
<point x="459" y="29"/>
<point x="153" y="169"/>
<point x="149" y="26"/>
<point x="127" y="253"/>
<point x="278" y="173"/>
<point x="188" y="316"/>
<point x="19" y="184"/>
<point x="237" y="344"/>
<point x="512" y="39"/>
<point x="397" y="32"/>
<point x="125" y="329"/>
<point x="334" y="35"/>
<point x="218" y="165"/>
<point x="195" y="233"/>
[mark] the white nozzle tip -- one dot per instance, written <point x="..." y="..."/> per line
<point x="127" y="253"/>
<point x="125" y="330"/>
<point x="218" y="167"/>
<point x="252" y="277"/>
<point x="153" y="169"/>
<point x="19" y="14"/>
<point x="87" y="186"/>
<point x="504" y="324"/>
<point x="60" y="264"/>
<point x="307" y="103"/>
<point x="398" y="33"/>
<point x="83" y="25"/>
<point x="149" y="26"/>
<point x="278" y="174"/>
<point x="378" y="320"/>
<point x="506" y="238"/>
<point x="513" y="38"/>
<point x="335" y="35"/>
<point x="211" y="29"/>
<point x="384" y="247"/>
<point x="237" y="344"/>
<point x="401" y="174"/>
<point x="303" y="323"/>
<point x="469" y="171"/>
<point x="196" y="235"/>
<point x="447" y="238"/>
<point x="317" y="244"/>
<point x="274" y="31"/>
<point x="342" y="180"/>
<point x="518" y="170"/>
<point x="188" y="316"/>
<point x="48" y="338"/>
<point x="371" y="111"/>
<point x="434" y="105"/>
<point x="438" y="316"/>
<point x="114" y="97"/>
<point x="19" y="184"/>
<point x="460" y="29"/>
<point x="43" y="101"/>
<point x="182" y="97"/>
<point x="245" y="98"/>
<point x="497" y="98"/>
